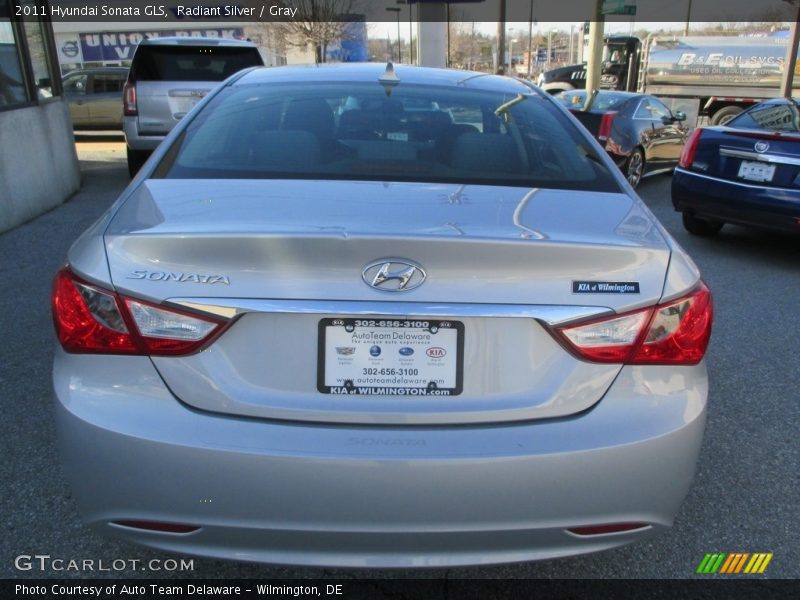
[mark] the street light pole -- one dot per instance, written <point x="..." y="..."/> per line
<point x="410" y="37"/>
<point x="410" y="30"/>
<point x="396" y="11"/>
<point x="530" y="40"/>
<point x="571" y="32"/>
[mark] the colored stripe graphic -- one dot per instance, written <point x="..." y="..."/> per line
<point x="733" y="563"/>
<point x="758" y="563"/>
<point x="711" y="563"/>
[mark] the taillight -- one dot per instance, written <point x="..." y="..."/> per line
<point x="689" y="150"/>
<point x="129" y="108"/>
<point x="90" y="319"/>
<point x="606" y="122"/>
<point x="675" y="332"/>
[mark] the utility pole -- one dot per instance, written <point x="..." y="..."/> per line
<point x="595" y="62"/>
<point x="688" y="18"/>
<point x="787" y="80"/>
<point x="501" y="35"/>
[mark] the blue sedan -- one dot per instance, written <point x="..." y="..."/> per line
<point x="746" y="173"/>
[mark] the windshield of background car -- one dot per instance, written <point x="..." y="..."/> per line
<point x="771" y="117"/>
<point x="357" y="131"/>
<point x="604" y="101"/>
<point x="191" y="63"/>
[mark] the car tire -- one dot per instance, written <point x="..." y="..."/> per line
<point x="723" y="115"/>
<point x="136" y="158"/>
<point x="701" y="227"/>
<point x="634" y="167"/>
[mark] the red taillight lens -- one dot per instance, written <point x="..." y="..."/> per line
<point x="90" y="319"/>
<point x="679" y="331"/>
<point x="676" y="332"/>
<point x="689" y="150"/>
<point x="129" y="107"/>
<point x="605" y="126"/>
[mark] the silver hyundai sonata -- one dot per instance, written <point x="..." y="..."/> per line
<point x="370" y="316"/>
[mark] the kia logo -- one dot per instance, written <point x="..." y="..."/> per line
<point x="436" y="352"/>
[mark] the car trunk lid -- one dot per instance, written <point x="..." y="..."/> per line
<point x="750" y="156"/>
<point x="283" y="256"/>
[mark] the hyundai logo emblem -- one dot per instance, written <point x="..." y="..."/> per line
<point x="393" y="275"/>
<point x="761" y="146"/>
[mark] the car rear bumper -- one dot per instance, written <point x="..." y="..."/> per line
<point x="736" y="202"/>
<point x="374" y="496"/>
<point x="137" y="141"/>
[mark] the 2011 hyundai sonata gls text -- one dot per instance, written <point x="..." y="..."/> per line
<point x="365" y="316"/>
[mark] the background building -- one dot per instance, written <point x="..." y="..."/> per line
<point x="38" y="164"/>
<point x="82" y="45"/>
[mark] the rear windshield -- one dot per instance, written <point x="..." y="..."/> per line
<point x="604" y="101"/>
<point x="358" y="131"/>
<point x="190" y="62"/>
<point x="771" y="117"/>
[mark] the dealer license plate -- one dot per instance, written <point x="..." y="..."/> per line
<point x="182" y="101"/>
<point x="756" y="171"/>
<point x="396" y="357"/>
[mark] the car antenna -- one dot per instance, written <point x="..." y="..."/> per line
<point x="389" y="79"/>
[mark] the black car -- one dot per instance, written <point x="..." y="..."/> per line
<point x="639" y="132"/>
<point x="746" y="172"/>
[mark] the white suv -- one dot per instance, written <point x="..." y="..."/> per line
<point x="168" y="76"/>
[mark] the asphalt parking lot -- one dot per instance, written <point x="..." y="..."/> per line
<point x="744" y="498"/>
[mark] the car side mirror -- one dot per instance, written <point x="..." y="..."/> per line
<point x="679" y="116"/>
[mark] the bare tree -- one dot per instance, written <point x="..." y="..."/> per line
<point x="317" y="22"/>
<point x="469" y="48"/>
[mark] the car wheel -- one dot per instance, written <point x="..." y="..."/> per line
<point x="634" y="167"/>
<point x="702" y="227"/>
<point x="136" y="158"/>
<point x="724" y="115"/>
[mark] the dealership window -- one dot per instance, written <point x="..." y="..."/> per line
<point x="27" y="58"/>
<point x="43" y="77"/>
<point x="12" y="83"/>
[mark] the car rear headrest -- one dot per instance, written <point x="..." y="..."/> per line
<point x="286" y="150"/>
<point x="495" y="152"/>
<point x="310" y="114"/>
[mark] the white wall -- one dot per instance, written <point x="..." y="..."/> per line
<point x="38" y="164"/>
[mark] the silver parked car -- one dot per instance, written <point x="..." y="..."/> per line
<point x="168" y="76"/>
<point x="380" y="337"/>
